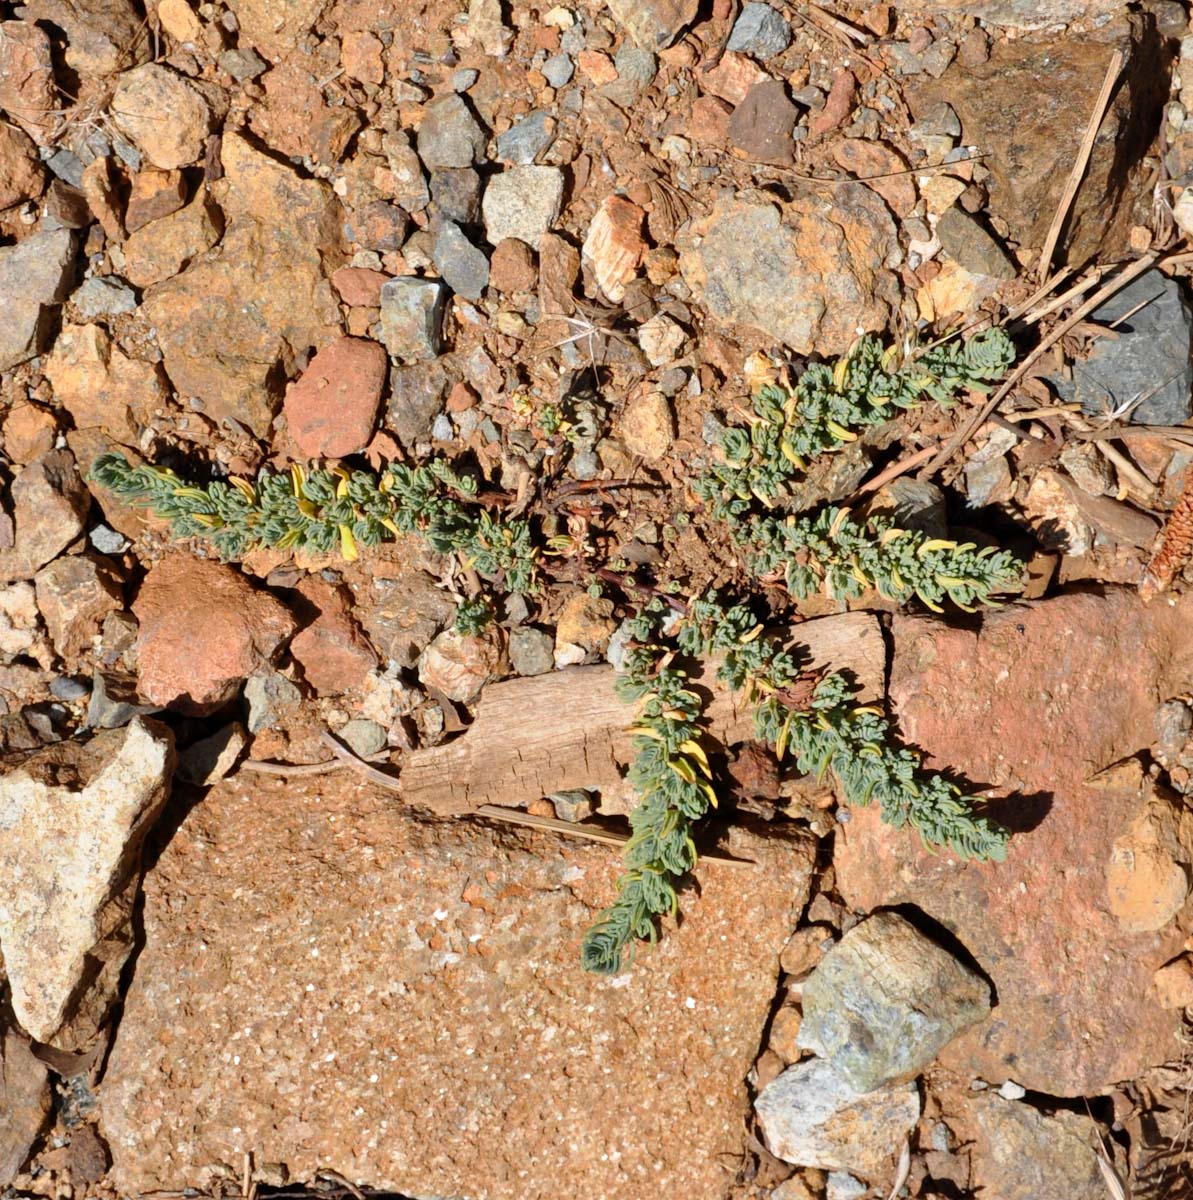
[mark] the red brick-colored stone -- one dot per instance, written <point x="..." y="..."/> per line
<point x="359" y="286"/>
<point x="203" y="630"/>
<point x="1030" y="705"/>
<point x="333" y="652"/>
<point x="332" y="409"/>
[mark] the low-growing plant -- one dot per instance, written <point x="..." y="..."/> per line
<point x="323" y="511"/>
<point x="810" y="718"/>
<point x="828" y="405"/>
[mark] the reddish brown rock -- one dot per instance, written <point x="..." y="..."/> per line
<point x="27" y="91"/>
<point x="511" y="268"/>
<point x="25" y="1102"/>
<point x="358" y="286"/>
<point x="203" y="630"/>
<point x="333" y="652"/>
<point x="710" y="120"/>
<point x="1032" y="705"/>
<point x="732" y="77"/>
<point x="761" y="126"/>
<point x="427" y="1002"/>
<point x="28" y="432"/>
<point x="614" y="247"/>
<point x="653" y="24"/>
<point x="879" y="167"/>
<point x="154" y="194"/>
<point x="837" y="106"/>
<point x="21" y="175"/>
<point x="100" y="386"/>
<point x="49" y="503"/>
<point x="75" y="593"/>
<point x="332" y="408"/>
<point x="163" y="247"/>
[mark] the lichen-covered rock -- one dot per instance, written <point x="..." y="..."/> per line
<point x="426" y="1001"/>
<point x="810" y="274"/>
<point x="811" y="1116"/>
<point x="163" y="114"/>
<point x="885" y="1000"/>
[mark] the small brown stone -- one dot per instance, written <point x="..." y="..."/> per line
<point x="359" y="286"/>
<point x="332" y="651"/>
<point x="28" y="432"/>
<point x="21" y="175"/>
<point x="710" y="121"/>
<point x="75" y="593"/>
<point x="100" y="192"/>
<point x="155" y="194"/>
<point x="332" y="408"/>
<point x="360" y="55"/>
<point x="805" y="950"/>
<point x="162" y="248"/>
<point x="784" y="1029"/>
<point x="1174" y="983"/>
<point x="512" y="267"/>
<point x="647" y="425"/>
<point x="596" y="66"/>
<point x="733" y="77"/>
<point x="761" y="126"/>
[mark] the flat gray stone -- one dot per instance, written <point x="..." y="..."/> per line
<point x="464" y="268"/>
<point x="760" y="31"/>
<point x="34" y="278"/>
<point x="104" y="296"/>
<point x="524" y="142"/>
<point x="450" y="135"/>
<point x="885" y="1000"/>
<point x="412" y="317"/>
<point x="1149" y="357"/>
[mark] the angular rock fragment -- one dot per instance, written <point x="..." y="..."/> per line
<point x="522" y="203"/>
<point x="614" y="246"/>
<point x="25" y="1100"/>
<point x="35" y="276"/>
<point x="204" y="629"/>
<point x="885" y="1000"/>
<point x="331" y="409"/>
<point x="811" y="274"/>
<point x="654" y="24"/>
<point x="67" y="900"/>
<point x="813" y="1117"/>
<point x="49" y="502"/>
<point x="163" y="114"/>
<point x="358" y="899"/>
<point x="449" y="135"/>
<point x="412" y="318"/>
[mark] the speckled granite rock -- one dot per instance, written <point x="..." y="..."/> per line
<point x="401" y="1001"/>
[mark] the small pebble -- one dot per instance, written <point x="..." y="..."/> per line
<point x="64" y="688"/>
<point x="463" y="80"/>
<point x="1012" y="1090"/>
<point x="559" y="70"/>
<point x="107" y="541"/>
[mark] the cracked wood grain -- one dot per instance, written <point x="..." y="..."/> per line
<point x="568" y="729"/>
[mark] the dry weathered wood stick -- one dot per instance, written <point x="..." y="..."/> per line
<point x="569" y="729"/>
<point x="590" y="833"/>
<point x="1079" y="314"/>
<point x="1077" y="174"/>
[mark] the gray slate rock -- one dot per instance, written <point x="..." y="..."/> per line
<point x="416" y="396"/>
<point x="760" y="31"/>
<point x="269" y="696"/>
<point x="1150" y="356"/>
<point x="558" y="70"/>
<point x="242" y="65"/>
<point x="114" y="702"/>
<point x="885" y="1000"/>
<point x="462" y="265"/>
<point x="35" y="276"/>
<point x="450" y="135"/>
<point x="965" y="241"/>
<point x="811" y="1116"/>
<point x="412" y="317"/>
<point x="525" y="141"/>
<point x="104" y="296"/>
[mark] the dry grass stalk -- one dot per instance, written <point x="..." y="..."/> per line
<point x="1172" y="553"/>
<point x="1079" y="163"/>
